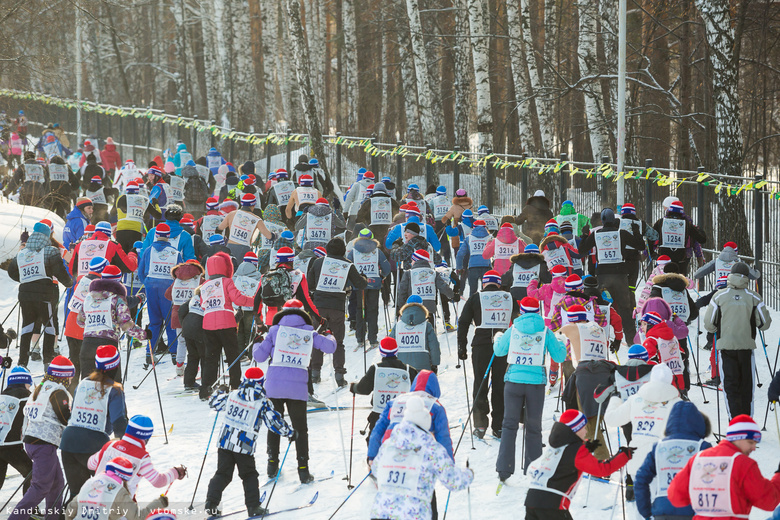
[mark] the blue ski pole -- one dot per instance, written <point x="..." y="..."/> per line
<point x="203" y="464"/>
<point x="276" y="479"/>
<point x="348" y="496"/>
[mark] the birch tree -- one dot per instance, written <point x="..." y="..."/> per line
<point x="425" y="96"/>
<point x="268" y="23"/>
<point x="244" y="93"/>
<point x="463" y="73"/>
<point x="479" y="52"/>
<point x="409" y="86"/>
<point x="520" y="74"/>
<point x="350" y="90"/>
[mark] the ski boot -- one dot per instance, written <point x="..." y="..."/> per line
<point x="272" y="468"/>
<point x="257" y="510"/>
<point x="303" y="472"/>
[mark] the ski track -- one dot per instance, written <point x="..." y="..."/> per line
<point x="193" y="420"/>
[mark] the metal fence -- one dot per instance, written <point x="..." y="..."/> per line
<point x="503" y="183"/>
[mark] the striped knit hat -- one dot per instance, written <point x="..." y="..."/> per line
<point x="413" y="187"/>
<point x="551" y="227"/>
<point x="96" y="179"/>
<point x="111" y="272"/>
<point x="162" y="230"/>
<point x="187" y="220"/>
<point x="212" y="203"/>
<point x="637" y="352"/>
<point x="248" y="199"/>
<point x="480" y="222"/>
<point x="441" y="190"/>
<point x="106" y="358"/>
<point x="663" y="260"/>
<point x="103" y="227"/>
<point x="20" y="376"/>
<point x="140" y="427"/>
<point x="61" y="367"/>
<point x="369" y="175"/>
<point x="89" y="230"/>
<point x="97" y="264"/>
<point x="388" y="347"/>
<point x="251" y="257"/>
<point x="285" y="255"/>
<point x="676" y="207"/>
<point x="320" y="252"/>
<point x="306" y="180"/>
<point x="722" y="281"/>
<point x="412" y="210"/>
<point x="216" y="238"/>
<point x="228" y="206"/>
<point x="573" y="282"/>
<point x="482" y="210"/>
<point x="491" y="277"/>
<point x="321" y="202"/>
<point x="574" y="419"/>
<point x="558" y="270"/>
<point x="281" y="173"/>
<point x="154" y="171"/>
<point x="627" y="209"/>
<point x="121" y="467"/>
<point x="422" y="254"/>
<point x="576" y="313"/>
<point x="131" y="188"/>
<point x="529" y="304"/>
<point x="743" y="427"/>
<point x="254" y="375"/>
<point x="531" y="248"/>
<point x="732" y="245"/>
<point x="652" y="318"/>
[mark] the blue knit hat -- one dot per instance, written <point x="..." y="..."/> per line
<point x="414" y="299"/>
<point x="106" y="357"/>
<point x="413" y="187"/>
<point x="638" y="352"/>
<point x="216" y="239"/>
<point x="97" y="264"/>
<point x="140" y="427"/>
<point x="482" y="210"/>
<point x="103" y="227"/>
<point x="314" y="162"/>
<point x="287" y="234"/>
<point x="531" y="248"/>
<point x="20" y="376"/>
<point x="441" y="190"/>
<point x="40" y="227"/>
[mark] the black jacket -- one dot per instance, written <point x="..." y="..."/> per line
<point x="366" y="384"/>
<point x="692" y="234"/>
<point x="41" y="290"/>
<point x="634" y="240"/>
<point x="472" y="313"/>
<point x="20" y="392"/>
<point x="333" y="300"/>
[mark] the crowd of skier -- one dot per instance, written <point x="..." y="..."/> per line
<point x="233" y="268"/>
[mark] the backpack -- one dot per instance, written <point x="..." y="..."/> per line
<point x="196" y="190"/>
<point x="276" y="288"/>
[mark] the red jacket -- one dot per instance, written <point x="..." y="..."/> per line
<point x="220" y="265"/>
<point x="749" y="488"/>
<point x="111" y="159"/>
<point x="664" y="332"/>
<point x="114" y="254"/>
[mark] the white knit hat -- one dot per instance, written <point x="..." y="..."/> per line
<point x="416" y="413"/>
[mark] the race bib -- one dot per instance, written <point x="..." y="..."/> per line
<point x="184" y="158"/>
<point x="593" y="342"/>
<point x="555" y="257"/>
<point x="212" y="296"/>
<point x="496" y="309"/>
<point x="367" y="263"/>
<point x="318" y="227"/>
<point x="203" y="172"/>
<point x="292" y="348"/>
<point x="333" y="275"/>
<point x="246" y="286"/>
<point x="608" y="247"/>
<point x="477" y="245"/>
<point x="79" y="294"/>
<point x="522" y="277"/>
<point x="136" y="207"/>
<point x="649" y="423"/>
<point x="239" y="414"/>
<point x="571" y="219"/>
<point x="162" y="262"/>
<point x="400" y="474"/>
<point x="678" y="301"/>
<point x="389" y="383"/>
<point x="209" y="225"/>
<point x="243" y="227"/>
<point x="9" y="407"/>
<point x="722" y="268"/>
<point x="423" y="283"/>
<point x="504" y="251"/>
<point x="34" y="173"/>
<point x="671" y="455"/>
<point x="628" y="388"/>
<point x="97" y="197"/>
<point x="543" y="468"/>
<point x="440" y="207"/>
<point x="673" y="233"/>
<point x="58" y="172"/>
<point x="669" y="350"/>
<point x="97" y="316"/>
<point x="88" y="250"/>
<point x="31" y="265"/>
<point x="710" y="486"/>
<point x="284" y="191"/>
<point x="526" y="349"/>
<point x="410" y="338"/>
<point x="183" y="290"/>
<point x="96" y="498"/>
<point x="381" y="211"/>
<point x="177" y="188"/>
<point x="90" y="406"/>
<point x="306" y="195"/>
<point x="214" y="161"/>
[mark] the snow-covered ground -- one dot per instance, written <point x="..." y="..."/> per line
<point x="330" y="433"/>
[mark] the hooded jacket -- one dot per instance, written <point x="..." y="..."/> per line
<point x="472" y="313"/>
<point x="415" y="314"/>
<point x="287" y="382"/>
<point x="575" y="460"/>
<point x="337" y="224"/>
<point x="111" y="159"/>
<point x="692" y="233"/>
<point x="678" y="283"/>
<point x="634" y="240"/>
<point x="144" y="264"/>
<point x="407" y="438"/>
<point x="426" y="385"/>
<point x="728" y="256"/>
<point x="120" y="313"/>
<point x="45" y="289"/>
<point x="196" y="190"/>
<point x="459" y="205"/>
<point x="185" y="239"/>
<point x="554" y="241"/>
<point x="115" y="255"/>
<point x="74" y="227"/>
<point x="663" y="309"/>
<point x="685" y="422"/>
<point x="734" y="313"/>
<point x="504" y="236"/>
<point x="220" y="266"/>
<point x="534" y="216"/>
<point x="662" y="332"/>
<point x="749" y="488"/>
<point x="644" y="294"/>
<point x="524" y="261"/>
<point x="464" y="258"/>
<point x="581" y="221"/>
<point x="405" y="288"/>
<point x="368" y="246"/>
<point x="545" y="293"/>
<point x="528" y="323"/>
<point x="396" y="233"/>
<point x="184" y="271"/>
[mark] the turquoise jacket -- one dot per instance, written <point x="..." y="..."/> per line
<point x="529" y="323"/>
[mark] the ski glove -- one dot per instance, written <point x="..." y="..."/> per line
<point x="181" y="471"/>
<point x="6" y="361"/>
<point x="592" y="445"/>
<point x="293" y="436"/>
<point x="615" y="346"/>
<point x="627" y="450"/>
<point x="148" y="333"/>
<point x="463" y="353"/>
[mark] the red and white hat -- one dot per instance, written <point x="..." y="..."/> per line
<point x="187" y="221"/>
<point x="507" y="225"/>
<point x="321" y="202"/>
<point x="573" y="282"/>
<point x="293" y="304"/>
<point x="248" y="199"/>
<point x="491" y="277"/>
<point x="132" y="187"/>
<point x="663" y="260"/>
<point x="212" y="203"/>
<point x="254" y="375"/>
<point x="652" y="318"/>
<point x="529" y="304"/>
<point x="111" y="272"/>
<point x="121" y="467"/>
<point x="743" y="427"/>
<point x="61" y="367"/>
<point x="369" y="175"/>
<point x="250" y="180"/>
<point x="412" y="210"/>
<point x="676" y="207"/>
<point x="558" y="270"/>
<point x="284" y="255"/>
<point x="306" y="180"/>
<point x="480" y="223"/>
<point x="320" y="252"/>
<point x="574" y="419"/>
<point x="251" y="257"/>
<point x="577" y="313"/>
<point x="96" y="179"/>
<point x="281" y="173"/>
<point x="106" y="357"/>
<point x="162" y="230"/>
<point x="628" y="209"/>
<point x="89" y="229"/>
<point x="388" y="347"/>
<point x="732" y="245"/>
<point x="422" y="254"/>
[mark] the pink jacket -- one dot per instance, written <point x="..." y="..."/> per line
<point x="545" y="293"/>
<point x="506" y="235"/>
<point x="642" y="297"/>
<point x="663" y="309"/>
<point x="221" y="266"/>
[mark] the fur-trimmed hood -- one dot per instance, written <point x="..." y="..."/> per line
<point x="187" y="271"/>
<point x="293" y="312"/>
<point x="553" y="238"/>
<point x="526" y="260"/>
<point x="108" y="286"/>
<point x="464" y="202"/>
<point x="539" y="202"/>
<point x="414" y="313"/>
<point x="674" y="281"/>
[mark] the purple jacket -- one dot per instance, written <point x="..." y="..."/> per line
<point x="288" y="382"/>
<point x="660" y="306"/>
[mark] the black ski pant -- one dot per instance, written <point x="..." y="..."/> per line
<point x="335" y="319"/>
<point x="17" y="458"/>
<point x="297" y="411"/>
<point x="88" y="352"/>
<point x="622" y="301"/>
<point x="736" y="373"/>
<point x="128" y="237"/>
<point x="480" y="359"/>
<point x="196" y="353"/>
<point x="216" y="342"/>
<point x="227" y="461"/>
<point x="368" y="308"/>
<point x="38" y="312"/>
<point x="76" y="470"/>
<point x="74" y="353"/>
<point x="534" y="513"/>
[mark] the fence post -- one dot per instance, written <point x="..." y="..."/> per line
<point x="700" y="202"/>
<point x="250" y="145"/>
<point x="97" y="127"/>
<point x="149" y="139"/>
<point x="121" y="136"/>
<point x="268" y="151"/>
<point x="178" y="129"/>
<point x="108" y="134"/>
<point x="523" y="181"/>
<point x="759" y="231"/>
<point x="232" y="148"/>
<point x="194" y="135"/>
<point x="213" y="138"/>
<point x="648" y="192"/>
<point x="564" y="178"/>
<point x="135" y="134"/>
<point x="456" y="172"/>
<point x="604" y="185"/>
<point x="491" y="183"/>
<point x="399" y="166"/>
<point x="428" y="170"/>
<point x="288" y="150"/>
<point x="162" y="134"/>
<point x="338" y="158"/>
<point x="375" y="160"/>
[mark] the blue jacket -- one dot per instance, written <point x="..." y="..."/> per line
<point x="463" y="251"/>
<point x="143" y="265"/>
<point x="426" y="381"/>
<point x="368" y="245"/>
<point x="158" y="193"/>
<point x="529" y="323"/>
<point x="685" y="422"/>
<point x="74" y="227"/>
<point x="177" y="159"/>
<point x="397" y="233"/>
<point x="185" y="242"/>
<point x="214" y="153"/>
<point x="76" y="439"/>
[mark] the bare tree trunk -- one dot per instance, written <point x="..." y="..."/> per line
<point x="479" y="52"/>
<point x="351" y="90"/>
<point x="245" y="91"/>
<point x="546" y="74"/>
<point x="520" y="73"/>
<point x="182" y="77"/>
<point x="463" y="72"/>
<point x="214" y="85"/>
<point x="384" y="103"/>
<point x="302" y="67"/>
<point x="425" y="97"/>
<point x="269" y="16"/>
<point x="224" y="40"/>
<point x="115" y="45"/>
<point x="588" y="61"/>
<point x="411" y="106"/>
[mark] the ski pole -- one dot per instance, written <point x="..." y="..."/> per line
<point x="471" y="408"/>
<point x="127" y="363"/>
<point x="276" y="479"/>
<point x="466" y="382"/>
<point x="766" y="356"/>
<point x="348" y="496"/>
<point x="9" y="313"/>
<point x="191" y="508"/>
<point x="155" y="361"/>
<point x="341" y="431"/>
<point x="351" y="443"/>
<point x="696" y="366"/>
<point x="15" y="492"/>
<point x="365" y="330"/>
<point x="159" y="401"/>
<point x="777" y="423"/>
